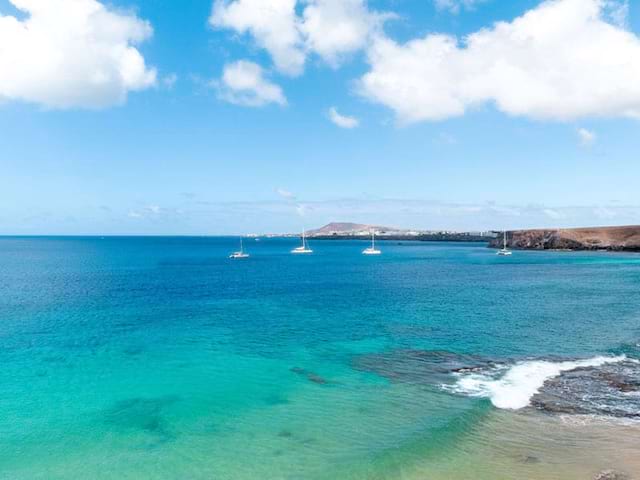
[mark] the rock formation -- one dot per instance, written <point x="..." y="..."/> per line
<point x="597" y="238"/>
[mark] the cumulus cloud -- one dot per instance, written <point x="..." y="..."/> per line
<point x="243" y="83"/>
<point x="562" y="60"/>
<point x="586" y="137"/>
<point x="273" y="24"/>
<point x="342" y="121"/>
<point x="334" y="28"/>
<point x="72" y="53"/>
<point x="454" y="6"/>
<point x="331" y="29"/>
<point x="617" y="11"/>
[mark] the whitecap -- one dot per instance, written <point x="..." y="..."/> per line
<point x="512" y="388"/>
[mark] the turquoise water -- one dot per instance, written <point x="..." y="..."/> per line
<point x="162" y="358"/>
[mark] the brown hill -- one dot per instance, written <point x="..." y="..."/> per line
<point x="597" y="238"/>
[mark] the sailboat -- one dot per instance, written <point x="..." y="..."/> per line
<point x="372" y="250"/>
<point x="241" y="253"/>
<point x="504" y="251"/>
<point x="304" y="248"/>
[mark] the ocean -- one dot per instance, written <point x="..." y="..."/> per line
<point x="161" y="358"/>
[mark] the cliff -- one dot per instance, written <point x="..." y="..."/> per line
<point x="596" y="238"/>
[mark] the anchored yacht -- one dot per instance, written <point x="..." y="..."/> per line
<point x="504" y="251"/>
<point x="372" y="250"/>
<point x="240" y="253"/>
<point x="304" y="248"/>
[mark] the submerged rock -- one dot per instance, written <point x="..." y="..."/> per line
<point x="530" y="459"/>
<point x="312" y="377"/>
<point x="140" y="414"/>
<point x="609" y="390"/>
<point x="420" y="366"/>
<point x="611" y="475"/>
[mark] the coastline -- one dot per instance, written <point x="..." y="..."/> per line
<point x="452" y="237"/>
<point x="161" y="359"/>
<point x="606" y="239"/>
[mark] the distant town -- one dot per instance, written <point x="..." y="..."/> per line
<point x="357" y="231"/>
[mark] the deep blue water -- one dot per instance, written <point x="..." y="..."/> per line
<point x="162" y="358"/>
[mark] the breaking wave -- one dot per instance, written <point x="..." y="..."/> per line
<point x="513" y="387"/>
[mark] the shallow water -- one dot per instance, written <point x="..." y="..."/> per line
<point x="161" y="358"/>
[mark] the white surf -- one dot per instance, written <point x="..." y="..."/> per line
<point x="513" y="387"/>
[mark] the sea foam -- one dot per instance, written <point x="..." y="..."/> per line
<point x="513" y="387"/>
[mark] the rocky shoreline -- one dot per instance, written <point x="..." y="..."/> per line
<point x="614" y="239"/>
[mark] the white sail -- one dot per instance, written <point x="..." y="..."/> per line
<point x="302" y="249"/>
<point x="372" y="249"/>
<point x="504" y="251"/>
<point x="240" y="253"/>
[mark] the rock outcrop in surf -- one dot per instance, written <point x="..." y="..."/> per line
<point x="604" y="385"/>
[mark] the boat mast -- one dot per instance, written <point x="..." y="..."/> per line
<point x="505" y="240"/>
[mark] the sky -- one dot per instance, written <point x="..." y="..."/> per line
<point x="168" y="117"/>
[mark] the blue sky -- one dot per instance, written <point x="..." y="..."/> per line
<point x="217" y="124"/>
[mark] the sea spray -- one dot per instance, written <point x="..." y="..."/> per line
<point x="513" y="388"/>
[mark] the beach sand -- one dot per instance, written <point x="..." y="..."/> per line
<point x="531" y="445"/>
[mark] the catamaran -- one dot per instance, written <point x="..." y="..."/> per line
<point x="304" y="248"/>
<point x="372" y="250"/>
<point x="241" y="253"/>
<point x="504" y="251"/>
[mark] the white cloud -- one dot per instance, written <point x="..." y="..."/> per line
<point x="302" y="209"/>
<point x="272" y="23"/>
<point x="342" y="121"/>
<point x="605" y="213"/>
<point x="153" y="212"/>
<point x="553" y="213"/>
<point x="617" y="11"/>
<point x="445" y="138"/>
<point x="454" y="6"/>
<point x="243" y="83"/>
<point x="286" y="194"/>
<point x="328" y="28"/>
<point x="72" y="53"/>
<point x="586" y="137"/>
<point x="333" y="28"/>
<point x="169" y="81"/>
<point x="561" y="60"/>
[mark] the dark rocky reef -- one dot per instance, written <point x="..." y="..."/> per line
<point x="597" y="238"/>
<point x="611" y="390"/>
<point x="431" y="367"/>
<point x="311" y="376"/>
